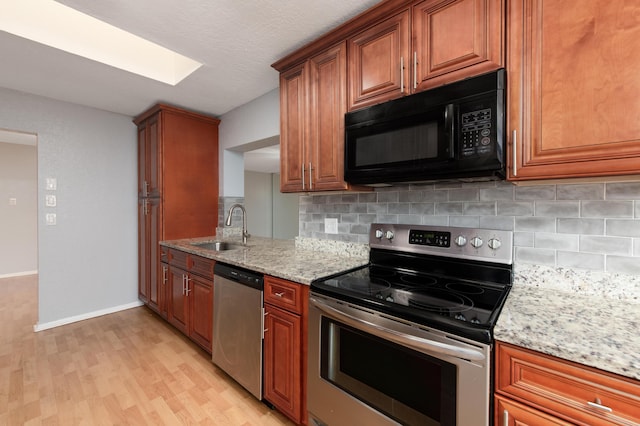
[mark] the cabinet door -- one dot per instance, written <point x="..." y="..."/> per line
<point x="177" y="302"/>
<point x="573" y="89"/>
<point x="510" y="413"/>
<point x="293" y="99"/>
<point x="282" y="361"/>
<point x="379" y="62"/>
<point x="457" y="39"/>
<point x="144" y="259"/>
<point x="327" y="105"/>
<point x="149" y="280"/>
<point x="201" y="311"/>
<point x="149" y="158"/>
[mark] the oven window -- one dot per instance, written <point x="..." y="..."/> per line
<point x="408" y="386"/>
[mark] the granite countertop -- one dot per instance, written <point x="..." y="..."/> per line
<point x="297" y="260"/>
<point x="580" y="325"/>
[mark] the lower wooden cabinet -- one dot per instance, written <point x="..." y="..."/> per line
<point x="190" y="296"/>
<point x="285" y="342"/>
<point x="538" y="389"/>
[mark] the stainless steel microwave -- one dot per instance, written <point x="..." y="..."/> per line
<point x="452" y="132"/>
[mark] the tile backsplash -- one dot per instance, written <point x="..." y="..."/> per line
<point x="588" y="226"/>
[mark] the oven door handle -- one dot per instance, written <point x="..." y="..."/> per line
<point x="417" y="343"/>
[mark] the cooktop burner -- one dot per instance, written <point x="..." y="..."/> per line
<point x="432" y="276"/>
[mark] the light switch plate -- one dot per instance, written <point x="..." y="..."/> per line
<point x="13" y="201"/>
<point x="331" y="225"/>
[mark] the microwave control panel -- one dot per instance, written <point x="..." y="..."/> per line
<point x="476" y="133"/>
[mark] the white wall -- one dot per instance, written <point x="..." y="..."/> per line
<point x="251" y="126"/>
<point x="88" y="261"/>
<point x="18" y="222"/>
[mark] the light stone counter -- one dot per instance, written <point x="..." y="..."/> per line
<point x="592" y="320"/>
<point x="302" y="260"/>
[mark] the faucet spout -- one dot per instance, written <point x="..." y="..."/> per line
<point x="245" y="234"/>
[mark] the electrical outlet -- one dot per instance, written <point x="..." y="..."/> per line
<point x="50" y="218"/>
<point x="13" y="201"/>
<point x="331" y="225"/>
<point x="50" y="200"/>
<point x="52" y="184"/>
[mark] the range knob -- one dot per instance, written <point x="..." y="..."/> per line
<point x="494" y="244"/>
<point x="476" y="242"/>
<point x="460" y="240"/>
<point x="379" y="233"/>
<point x="389" y="235"/>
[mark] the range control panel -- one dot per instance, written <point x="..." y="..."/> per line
<point x="489" y="245"/>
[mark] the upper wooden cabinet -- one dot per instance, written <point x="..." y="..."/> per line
<point x="379" y="62"/>
<point x="456" y="39"/>
<point x="433" y="43"/>
<point x="312" y="108"/>
<point x="573" y="89"/>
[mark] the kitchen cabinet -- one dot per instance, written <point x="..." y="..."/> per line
<point x="431" y="43"/>
<point x="535" y="388"/>
<point x="312" y="107"/>
<point x="285" y="343"/>
<point x="177" y="188"/>
<point x="573" y="89"/>
<point x="190" y="296"/>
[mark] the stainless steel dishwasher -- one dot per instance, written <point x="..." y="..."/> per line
<point x="238" y="325"/>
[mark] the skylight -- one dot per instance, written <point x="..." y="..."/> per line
<point x="59" y="26"/>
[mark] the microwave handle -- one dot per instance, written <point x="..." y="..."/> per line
<point x="449" y="126"/>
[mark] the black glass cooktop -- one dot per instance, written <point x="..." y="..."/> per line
<point x="466" y="307"/>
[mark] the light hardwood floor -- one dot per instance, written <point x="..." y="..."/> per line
<point x="127" y="368"/>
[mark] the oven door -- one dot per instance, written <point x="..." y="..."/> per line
<point x="366" y="368"/>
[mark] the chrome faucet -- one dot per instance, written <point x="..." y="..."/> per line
<point x="245" y="234"/>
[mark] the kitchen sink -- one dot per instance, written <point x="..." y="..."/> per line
<point x="218" y="245"/>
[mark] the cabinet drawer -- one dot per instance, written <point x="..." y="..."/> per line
<point x="282" y="293"/>
<point x="164" y="254"/>
<point x="178" y="258"/>
<point x="566" y="389"/>
<point x="202" y="266"/>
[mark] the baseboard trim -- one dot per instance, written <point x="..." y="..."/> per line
<point x="88" y="315"/>
<point x="19" y="274"/>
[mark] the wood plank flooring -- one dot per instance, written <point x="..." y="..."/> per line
<point x="127" y="368"/>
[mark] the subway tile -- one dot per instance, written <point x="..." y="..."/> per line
<point x="465" y="221"/>
<point x="358" y="208"/>
<point x="435" y="220"/>
<point x="376" y="208"/>
<point x="449" y="208"/>
<point x="387" y="218"/>
<point x="555" y="241"/>
<point x="359" y="228"/>
<point x="623" y="228"/>
<point x="349" y="218"/>
<point x="399" y="208"/>
<point x="637" y="204"/>
<point x="320" y="199"/>
<point x="448" y="185"/>
<point x="636" y="246"/>
<point x="499" y="193"/>
<point x="537" y="256"/>
<point x="572" y="259"/>
<point x="523" y="239"/>
<point x="349" y="198"/>
<point x="367" y="197"/>
<point x="388" y="197"/>
<point x="435" y="196"/>
<point x="606" y="245"/>
<point x="422" y="208"/>
<point x="504" y="223"/>
<point x="557" y="208"/>
<point x="515" y="208"/>
<point x="464" y="194"/>
<point x="334" y="198"/>
<point x="592" y="191"/>
<point x="623" y="265"/>
<point x="486" y="208"/>
<point x="411" y="196"/>
<point x="581" y="226"/>
<point x="341" y="208"/>
<point x="535" y="224"/>
<point x="367" y="218"/>
<point x="411" y="219"/>
<point x="623" y="191"/>
<point x="606" y="209"/>
<point x="541" y="192"/>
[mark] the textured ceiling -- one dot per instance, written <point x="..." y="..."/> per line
<point x="236" y="40"/>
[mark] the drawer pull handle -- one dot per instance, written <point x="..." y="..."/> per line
<point x="598" y="406"/>
<point x="279" y="294"/>
<point x="505" y="418"/>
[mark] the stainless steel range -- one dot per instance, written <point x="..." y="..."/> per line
<point x="408" y="338"/>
